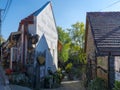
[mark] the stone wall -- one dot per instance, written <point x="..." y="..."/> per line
<point x="102" y="70"/>
<point x="90" y="52"/>
<point x="90" y="46"/>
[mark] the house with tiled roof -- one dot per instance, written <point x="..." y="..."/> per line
<point x="102" y="45"/>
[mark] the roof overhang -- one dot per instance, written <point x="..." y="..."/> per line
<point x="14" y="36"/>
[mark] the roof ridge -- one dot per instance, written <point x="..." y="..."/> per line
<point x="104" y="12"/>
<point x="39" y="10"/>
<point x="34" y="13"/>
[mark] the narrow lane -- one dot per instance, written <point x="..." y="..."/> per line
<point x="69" y="85"/>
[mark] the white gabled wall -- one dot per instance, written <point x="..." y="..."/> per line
<point x="45" y="24"/>
<point x="42" y="47"/>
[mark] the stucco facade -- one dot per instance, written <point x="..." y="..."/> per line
<point x="45" y="25"/>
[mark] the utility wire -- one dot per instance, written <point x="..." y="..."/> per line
<point x="110" y="5"/>
<point x="7" y="7"/>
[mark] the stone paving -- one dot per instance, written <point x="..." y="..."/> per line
<point x="70" y="85"/>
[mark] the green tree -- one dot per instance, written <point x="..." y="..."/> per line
<point x="63" y="36"/>
<point x="1" y="40"/>
<point x="77" y="34"/>
<point x="65" y="40"/>
<point x="73" y="43"/>
<point x="64" y="54"/>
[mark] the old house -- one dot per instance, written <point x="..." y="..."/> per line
<point x="41" y="23"/>
<point x="37" y="42"/>
<point x="102" y="45"/>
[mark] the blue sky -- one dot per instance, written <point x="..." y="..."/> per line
<point x="67" y="12"/>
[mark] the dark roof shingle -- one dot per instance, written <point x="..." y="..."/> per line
<point x="106" y="30"/>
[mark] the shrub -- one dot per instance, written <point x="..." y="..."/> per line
<point x="97" y="84"/>
<point x="53" y="80"/>
<point x="19" y="79"/>
<point x="68" y="67"/>
<point x="47" y="82"/>
<point x="58" y="76"/>
<point x="117" y="85"/>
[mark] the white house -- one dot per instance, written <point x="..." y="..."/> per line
<point x="41" y="23"/>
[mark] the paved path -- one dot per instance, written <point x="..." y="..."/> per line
<point x="16" y="87"/>
<point x="70" y="85"/>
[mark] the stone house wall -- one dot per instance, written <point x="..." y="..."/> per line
<point x="102" y="70"/>
<point x="90" y="51"/>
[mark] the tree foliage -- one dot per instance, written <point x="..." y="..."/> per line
<point x="65" y="40"/>
<point x="63" y="36"/>
<point x="64" y="54"/>
<point x="1" y="39"/>
<point x="77" y="34"/>
<point x="73" y="43"/>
